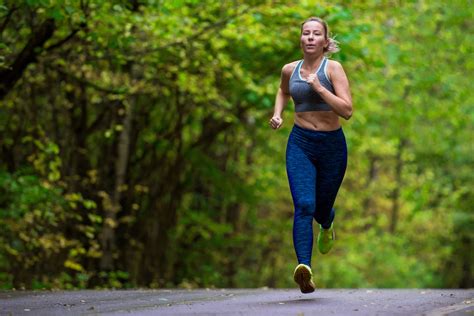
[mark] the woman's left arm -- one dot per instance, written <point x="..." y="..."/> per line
<point x="341" y="101"/>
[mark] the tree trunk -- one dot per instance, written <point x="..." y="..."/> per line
<point x="367" y="202"/>
<point x="10" y="75"/>
<point x="398" y="184"/>
<point x="108" y="239"/>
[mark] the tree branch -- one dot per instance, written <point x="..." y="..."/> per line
<point x="10" y="75"/>
<point x="119" y="91"/>
<point x="67" y="38"/>
<point x="195" y="35"/>
<point x="7" y="19"/>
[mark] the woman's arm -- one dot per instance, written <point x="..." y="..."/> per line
<point x="282" y="97"/>
<point x="341" y="101"/>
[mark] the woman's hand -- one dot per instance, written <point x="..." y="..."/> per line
<point x="276" y="121"/>
<point x="313" y="80"/>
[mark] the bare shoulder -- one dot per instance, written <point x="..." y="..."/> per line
<point x="334" y="63"/>
<point x="286" y="72"/>
<point x="334" y="68"/>
<point x="288" y="68"/>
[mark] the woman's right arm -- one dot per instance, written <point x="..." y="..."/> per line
<point x="282" y="97"/>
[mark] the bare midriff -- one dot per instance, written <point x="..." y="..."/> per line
<point x="318" y="120"/>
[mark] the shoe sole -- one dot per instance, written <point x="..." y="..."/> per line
<point x="303" y="277"/>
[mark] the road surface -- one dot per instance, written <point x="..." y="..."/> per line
<point x="261" y="301"/>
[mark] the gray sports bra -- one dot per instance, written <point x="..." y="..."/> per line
<point x="304" y="96"/>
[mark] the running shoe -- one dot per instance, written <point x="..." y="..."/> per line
<point x="326" y="238"/>
<point x="304" y="277"/>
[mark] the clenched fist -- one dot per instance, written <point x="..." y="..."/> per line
<point x="313" y="80"/>
<point x="276" y="122"/>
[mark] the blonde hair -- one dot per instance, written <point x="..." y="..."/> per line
<point x="333" y="46"/>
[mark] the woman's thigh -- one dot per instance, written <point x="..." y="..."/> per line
<point x="302" y="178"/>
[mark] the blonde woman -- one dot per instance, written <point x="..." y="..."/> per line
<point x="316" y="152"/>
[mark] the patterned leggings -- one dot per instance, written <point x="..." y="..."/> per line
<point x="316" y="162"/>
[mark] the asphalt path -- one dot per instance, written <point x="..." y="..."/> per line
<point x="261" y="301"/>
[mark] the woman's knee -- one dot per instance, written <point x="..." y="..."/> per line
<point x="306" y="206"/>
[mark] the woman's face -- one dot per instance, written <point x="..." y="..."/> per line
<point x="312" y="39"/>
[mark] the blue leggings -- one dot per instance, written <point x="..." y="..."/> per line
<point x="316" y="162"/>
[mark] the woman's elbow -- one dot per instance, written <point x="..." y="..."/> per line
<point x="348" y="113"/>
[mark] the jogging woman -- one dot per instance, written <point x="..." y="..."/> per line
<point x="316" y="152"/>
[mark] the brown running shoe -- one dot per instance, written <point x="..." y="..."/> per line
<point x="304" y="277"/>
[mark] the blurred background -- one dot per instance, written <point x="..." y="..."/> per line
<point x="135" y="149"/>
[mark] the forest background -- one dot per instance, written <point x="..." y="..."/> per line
<point x="135" y="149"/>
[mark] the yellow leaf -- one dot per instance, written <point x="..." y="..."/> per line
<point x="73" y="265"/>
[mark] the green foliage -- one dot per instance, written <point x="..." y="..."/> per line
<point x="135" y="149"/>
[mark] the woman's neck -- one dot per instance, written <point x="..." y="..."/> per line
<point x="312" y="61"/>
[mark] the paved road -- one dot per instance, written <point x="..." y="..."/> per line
<point x="263" y="301"/>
